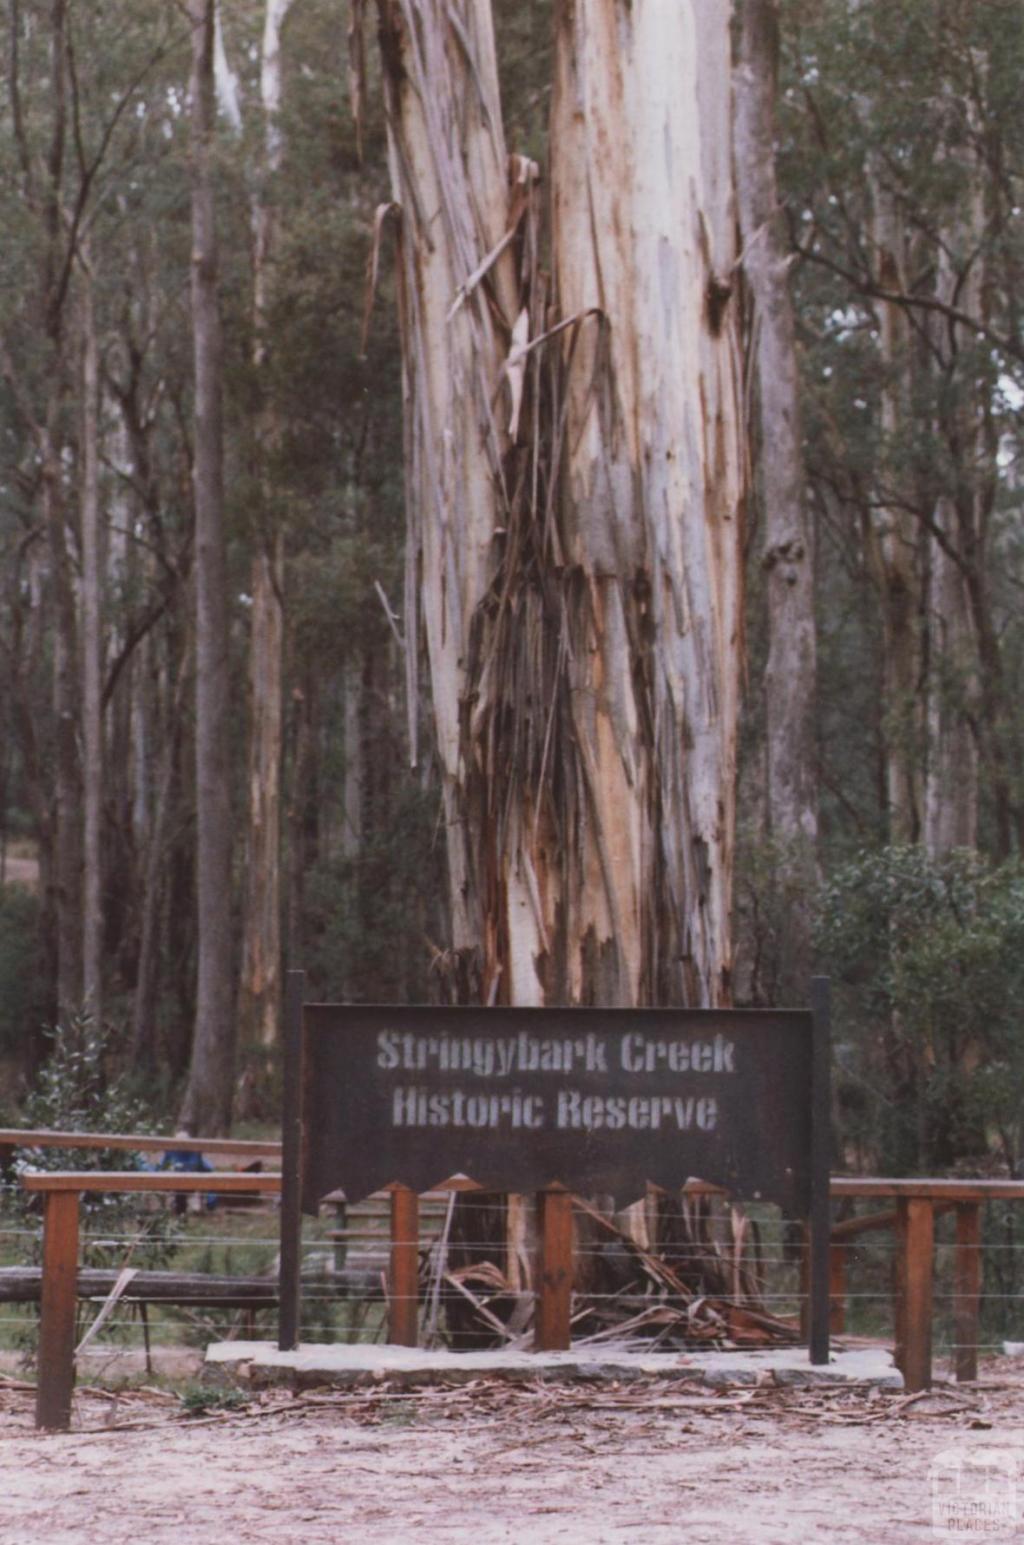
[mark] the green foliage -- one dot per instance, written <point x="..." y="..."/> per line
<point x="367" y="914"/>
<point x="928" y="958"/>
<point x="911" y="102"/>
<point x="772" y="879"/>
<point x="78" y="1089"/>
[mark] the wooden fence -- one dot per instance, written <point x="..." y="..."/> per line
<point x="917" y="1203"/>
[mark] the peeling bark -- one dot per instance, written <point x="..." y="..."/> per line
<point x="575" y="476"/>
<point x="643" y="234"/>
<point x="448" y="172"/>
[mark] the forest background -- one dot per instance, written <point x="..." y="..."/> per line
<point x="206" y="662"/>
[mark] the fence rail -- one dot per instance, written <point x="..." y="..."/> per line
<point x="397" y="1224"/>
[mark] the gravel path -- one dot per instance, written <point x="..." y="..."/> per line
<point x="488" y="1463"/>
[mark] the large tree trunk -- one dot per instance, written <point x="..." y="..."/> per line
<point x="208" y="1095"/>
<point x="574" y="495"/>
<point x="791" y="791"/>
<point x="578" y="539"/>
<point x="652" y="488"/>
<point x="260" y="980"/>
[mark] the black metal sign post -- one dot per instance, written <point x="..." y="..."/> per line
<point x="592" y="1100"/>
<point x="821" y="1164"/>
<point x="291" y="1164"/>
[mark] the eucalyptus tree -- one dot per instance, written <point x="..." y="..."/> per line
<point x="575" y="479"/>
<point x="71" y="118"/>
<point x="902" y="165"/>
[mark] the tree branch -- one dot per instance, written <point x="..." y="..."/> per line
<point x="1009" y="346"/>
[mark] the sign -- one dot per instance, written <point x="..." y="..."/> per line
<point x="600" y="1100"/>
<point x="592" y="1100"/>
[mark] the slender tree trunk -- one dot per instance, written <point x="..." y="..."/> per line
<point x="951" y="784"/>
<point x="67" y="826"/>
<point x="260" y="980"/>
<point x="303" y="801"/>
<point x="355" y="770"/>
<point x="894" y="549"/>
<point x="92" y="709"/>
<point x="154" y="886"/>
<point x="953" y="700"/>
<point x="208" y="1095"/>
<point x="67" y="784"/>
<point x="788" y="555"/>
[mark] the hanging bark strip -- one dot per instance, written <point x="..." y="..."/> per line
<point x="449" y="176"/>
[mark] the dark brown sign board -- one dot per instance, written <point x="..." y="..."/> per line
<point x="596" y="1100"/>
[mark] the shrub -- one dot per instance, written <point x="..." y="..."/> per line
<point x="78" y="1090"/>
<point x="928" y="957"/>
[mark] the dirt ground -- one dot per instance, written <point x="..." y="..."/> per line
<point x="486" y="1462"/>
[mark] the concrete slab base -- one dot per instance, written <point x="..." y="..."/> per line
<point x="260" y="1364"/>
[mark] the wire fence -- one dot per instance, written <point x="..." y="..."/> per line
<point x="346" y="1253"/>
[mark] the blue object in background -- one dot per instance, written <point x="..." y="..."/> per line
<point x="189" y="1163"/>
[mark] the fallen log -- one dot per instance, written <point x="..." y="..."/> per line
<point x="23" y="1285"/>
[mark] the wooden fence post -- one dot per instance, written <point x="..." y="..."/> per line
<point x="56" y="1375"/>
<point x="404" y="1285"/>
<point x="837" y="1287"/>
<point x="553" y="1311"/>
<point x="967" y="1289"/>
<point x="914" y="1305"/>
